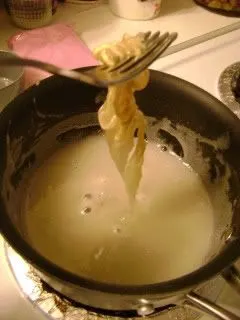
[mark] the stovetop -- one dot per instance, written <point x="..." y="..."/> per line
<point x="201" y="64"/>
<point x="56" y="306"/>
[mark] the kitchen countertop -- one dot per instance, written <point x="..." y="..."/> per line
<point x="97" y="25"/>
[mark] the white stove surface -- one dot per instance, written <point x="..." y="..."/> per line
<point x="201" y="65"/>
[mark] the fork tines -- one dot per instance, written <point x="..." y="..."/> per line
<point x="155" y="44"/>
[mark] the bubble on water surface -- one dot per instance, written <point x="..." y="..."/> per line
<point x="86" y="210"/>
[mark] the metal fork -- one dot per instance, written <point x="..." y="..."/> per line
<point x="102" y="75"/>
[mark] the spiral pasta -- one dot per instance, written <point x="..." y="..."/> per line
<point x="120" y="118"/>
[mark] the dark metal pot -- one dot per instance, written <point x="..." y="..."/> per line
<point x="24" y="127"/>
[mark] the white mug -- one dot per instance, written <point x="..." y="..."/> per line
<point x="136" y="9"/>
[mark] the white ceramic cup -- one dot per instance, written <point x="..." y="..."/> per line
<point x="136" y="9"/>
<point x="10" y="81"/>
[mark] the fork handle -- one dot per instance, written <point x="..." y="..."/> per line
<point x="75" y="75"/>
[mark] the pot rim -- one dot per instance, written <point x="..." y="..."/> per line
<point x="227" y="257"/>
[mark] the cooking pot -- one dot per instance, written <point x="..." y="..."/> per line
<point x="210" y="130"/>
